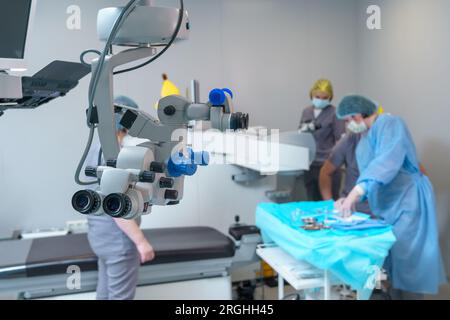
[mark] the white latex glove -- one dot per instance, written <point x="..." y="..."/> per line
<point x="312" y="126"/>
<point x="338" y="204"/>
<point x="347" y="206"/>
<point x="304" y="128"/>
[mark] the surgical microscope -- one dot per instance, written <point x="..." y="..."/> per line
<point x="133" y="179"/>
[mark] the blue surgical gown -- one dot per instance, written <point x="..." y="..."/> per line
<point x="402" y="196"/>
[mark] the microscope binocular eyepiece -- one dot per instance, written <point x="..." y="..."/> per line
<point x="86" y="202"/>
<point x="117" y="205"/>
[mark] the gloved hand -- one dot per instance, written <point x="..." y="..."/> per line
<point x="338" y="204"/>
<point x="342" y="206"/>
<point x="308" y="127"/>
<point x="346" y="206"/>
<point x="304" y="128"/>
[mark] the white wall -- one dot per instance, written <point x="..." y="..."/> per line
<point x="405" y="66"/>
<point x="268" y="51"/>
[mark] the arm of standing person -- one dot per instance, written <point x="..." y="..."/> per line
<point x="335" y="161"/>
<point x="134" y="232"/>
<point x="326" y="180"/>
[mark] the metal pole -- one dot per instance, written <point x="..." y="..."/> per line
<point x="280" y="287"/>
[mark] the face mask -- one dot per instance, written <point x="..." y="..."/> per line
<point x="355" y="127"/>
<point x="320" y="103"/>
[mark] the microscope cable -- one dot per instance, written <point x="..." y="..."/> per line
<point x="172" y="40"/>
<point x="94" y="84"/>
<point x="96" y="75"/>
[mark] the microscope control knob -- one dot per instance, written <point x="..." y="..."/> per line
<point x="166" y="183"/>
<point x="170" y="111"/>
<point x="157" y="167"/>
<point x="178" y="170"/>
<point x="111" y="163"/>
<point x="239" y="121"/>
<point x="147" y="177"/>
<point x="91" y="172"/>
<point x="217" y="97"/>
<point x="200" y="158"/>
<point x="181" y="165"/>
<point x="171" y="195"/>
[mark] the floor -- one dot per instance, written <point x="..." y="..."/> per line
<point x="444" y="294"/>
<point x="268" y="293"/>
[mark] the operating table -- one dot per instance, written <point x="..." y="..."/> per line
<point x="191" y="263"/>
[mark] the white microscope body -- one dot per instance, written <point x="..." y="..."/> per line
<point x="137" y="178"/>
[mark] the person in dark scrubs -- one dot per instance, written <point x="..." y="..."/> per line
<point x="320" y="120"/>
<point x="343" y="154"/>
<point x="119" y="244"/>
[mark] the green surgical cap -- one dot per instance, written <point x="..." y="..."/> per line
<point x="355" y="104"/>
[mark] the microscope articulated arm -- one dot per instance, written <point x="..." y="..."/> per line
<point x="136" y="178"/>
<point x="104" y="97"/>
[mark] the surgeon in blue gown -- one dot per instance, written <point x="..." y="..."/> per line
<point x="398" y="193"/>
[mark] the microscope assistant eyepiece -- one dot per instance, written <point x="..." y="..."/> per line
<point x="117" y="205"/>
<point x="86" y="202"/>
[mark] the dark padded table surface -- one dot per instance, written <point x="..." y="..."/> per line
<point x="48" y="256"/>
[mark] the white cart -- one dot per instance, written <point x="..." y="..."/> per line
<point x="299" y="274"/>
